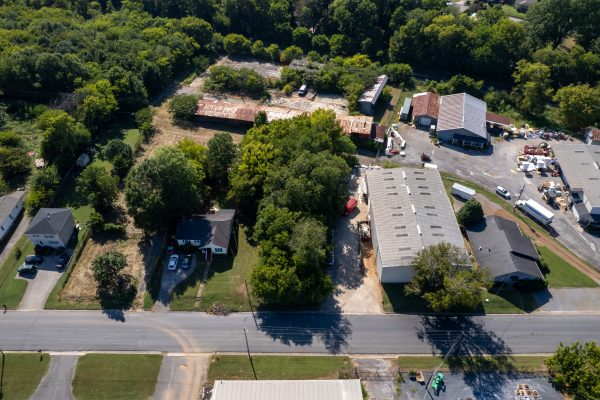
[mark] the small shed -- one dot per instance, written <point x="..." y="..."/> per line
<point x="405" y="111"/>
<point x="462" y="191"/>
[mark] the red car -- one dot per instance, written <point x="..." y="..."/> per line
<point x="350" y="205"/>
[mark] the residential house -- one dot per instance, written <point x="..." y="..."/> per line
<point x="51" y="227"/>
<point x="500" y="246"/>
<point x="207" y="232"/>
<point x="11" y="206"/>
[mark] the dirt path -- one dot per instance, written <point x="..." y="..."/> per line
<point x="540" y="239"/>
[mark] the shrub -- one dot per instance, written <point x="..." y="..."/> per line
<point x="183" y="107"/>
<point x="470" y="213"/>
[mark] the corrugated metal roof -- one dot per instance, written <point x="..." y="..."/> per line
<point x="580" y="164"/>
<point x="339" y="389"/>
<point x="410" y="211"/>
<point x="351" y="124"/>
<point x="371" y="95"/>
<point x="8" y="203"/>
<point x="497" y="119"/>
<point x="463" y="111"/>
<point x="426" y="104"/>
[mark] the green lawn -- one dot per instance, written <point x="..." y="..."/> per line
<point x="279" y="367"/>
<point x="471" y="364"/>
<point x="17" y="384"/>
<point x="184" y="295"/>
<point x="562" y="274"/>
<point x="508" y="301"/>
<point x="510" y="11"/>
<point x="394" y="300"/>
<point x="12" y="289"/>
<point x="225" y="282"/>
<point x="116" y="376"/>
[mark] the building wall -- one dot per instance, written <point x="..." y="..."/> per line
<point x="196" y="243"/>
<point x="366" y="107"/>
<point x="10" y="219"/>
<point x="448" y="135"/>
<point x="46" y="240"/>
<point x="417" y="120"/>
<point x="397" y="274"/>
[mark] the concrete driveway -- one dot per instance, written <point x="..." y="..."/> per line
<point x="181" y="376"/>
<point x="357" y="289"/>
<point x="40" y="284"/>
<point x="170" y="279"/>
<point x="56" y="384"/>
<point x="498" y="167"/>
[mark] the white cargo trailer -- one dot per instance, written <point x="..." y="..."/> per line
<point x="535" y="211"/>
<point x="462" y="191"/>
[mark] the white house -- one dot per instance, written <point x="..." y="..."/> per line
<point x="11" y="206"/>
<point x="51" y="227"/>
<point x="207" y="232"/>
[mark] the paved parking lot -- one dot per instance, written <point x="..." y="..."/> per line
<point x="498" y="166"/>
<point x="40" y="284"/>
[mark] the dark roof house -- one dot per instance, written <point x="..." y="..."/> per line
<point x="206" y="231"/>
<point x="500" y="246"/>
<point x="51" y="227"/>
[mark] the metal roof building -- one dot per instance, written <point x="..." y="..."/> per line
<point x="338" y="389"/>
<point x="580" y="167"/>
<point x="426" y="108"/>
<point x="462" y="120"/>
<point x="409" y="210"/>
<point x="368" y="99"/>
<point x="501" y="247"/>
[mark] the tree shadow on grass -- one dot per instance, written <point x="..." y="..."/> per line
<point x="468" y="345"/>
<point x="291" y="329"/>
<point x="118" y="298"/>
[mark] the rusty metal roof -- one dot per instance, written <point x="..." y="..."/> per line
<point x="497" y="119"/>
<point x="359" y="124"/>
<point x="426" y="103"/>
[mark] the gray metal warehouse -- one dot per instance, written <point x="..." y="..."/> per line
<point x="580" y="167"/>
<point x="462" y="121"/>
<point x="408" y="210"/>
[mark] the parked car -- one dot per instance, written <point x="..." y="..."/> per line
<point x="63" y="260"/>
<point x="31" y="259"/>
<point x="173" y="262"/>
<point x="303" y="90"/>
<point x="187" y="261"/>
<point x="170" y="249"/>
<point x="27" y="268"/>
<point x="503" y="192"/>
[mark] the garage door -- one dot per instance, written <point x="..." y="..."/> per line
<point x="425" y="121"/>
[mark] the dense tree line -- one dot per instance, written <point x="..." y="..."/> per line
<point x="292" y="178"/>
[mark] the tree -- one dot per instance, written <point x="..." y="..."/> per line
<point x="42" y="189"/>
<point x="3" y="186"/>
<point x="98" y="186"/>
<point x="399" y="74"/>
<point x="107" y="267"/>
<point x="144" y="119"/>
<point x="236" y="44"/>
<point x="444" y="278"/>
<point x="302" y="37"/>
<point x="162" y="189"/>
<point x="355" y="19"/>
<point x="120" y="155"/>
<point x="550" y="21"/>
<point x="183" y="107"/>
<point x="260" y="118"/>
<point x="320" y="43"/>
<point x="98" y="105"/>
<point x="470" y="213"/>
<point x="579" y="106"/>
<point x="63" y="139"/>
<point x="290" y="53"/>
<point x="532" y="86"/>
<point x="575" y="369"/>
<point x="14" y="161"/>
<point x="460" y="84"/>
<point x="220" y="156"/>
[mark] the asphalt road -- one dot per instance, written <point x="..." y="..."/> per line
<point x="290" y="332"/>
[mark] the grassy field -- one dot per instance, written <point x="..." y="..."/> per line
<point x="116" y="376"/>
<point x="16" y="384"/>
<point x="12" y="289"/>
<point x="508" y="301"/>
<point x="279" y="367"/>
<point x="562" y="274"/>
<point x="225" y="282"/>
<point x="184" y="295"/>
<point x="510" y="11"/>
<point x="478" y="363"/>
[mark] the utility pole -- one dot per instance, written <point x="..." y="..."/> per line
<point x="448" y="354"/>
<point x="249" y="356"/>
<point x="519" y="198"/>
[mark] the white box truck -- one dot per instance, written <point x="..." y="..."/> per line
<point x="535" y="211"/>
<point x="462" y="191"/>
